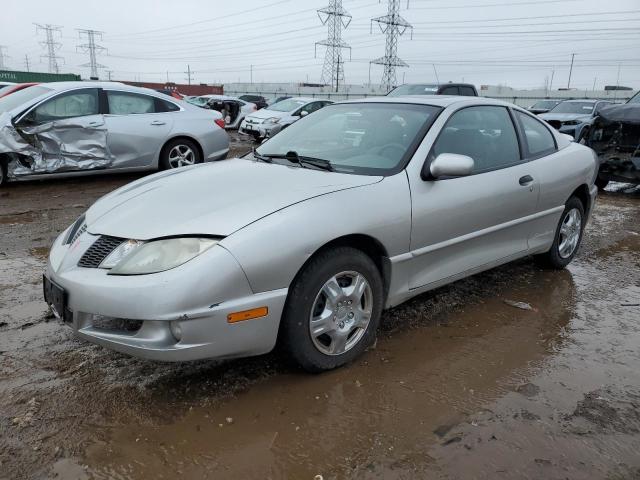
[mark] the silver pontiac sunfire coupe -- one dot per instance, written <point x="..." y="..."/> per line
<point x="351" y="210"/>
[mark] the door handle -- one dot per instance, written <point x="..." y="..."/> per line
<point x="526" y="180"/>
<point x="158" y="122"/>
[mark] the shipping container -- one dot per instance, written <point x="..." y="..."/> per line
<point x="28" y="77"/>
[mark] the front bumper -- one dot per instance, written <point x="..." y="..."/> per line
<point x="259" y="130"/>
<point x="196" y="297"/>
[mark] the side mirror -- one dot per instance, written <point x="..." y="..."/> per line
<point x="304" y="113"/>
<point x="451" y="165"/>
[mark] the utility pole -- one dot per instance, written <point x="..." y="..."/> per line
<point x="594" y="84"/>
<point x="335" y="17"/>
<point x="109" y="72"/>
<point x="553" y="72"/>
<point x="3" y="57"/>
<point x="570" y="71"/>
<point x="51" y="45"/>
<point x="393" y="26"/>
<point x="615" y="95"/>
<point x="92" y="49"/>
<point x="189" y="74"/>
<point x="436" y="72"/>
<point x="251" y="74"/>
<point x="27" y="63"/>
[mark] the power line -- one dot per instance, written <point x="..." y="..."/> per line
<point x="51" y="45"/>
<point x="394" y="26"/>
<point x="92" y="49"/>
<point x="336" y="18"/>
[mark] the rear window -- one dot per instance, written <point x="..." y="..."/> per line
<point x="14" y="100"/>
<point x="403" y="90"/>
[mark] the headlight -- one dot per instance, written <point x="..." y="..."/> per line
<point x="272" y="120"/>
<point x="124" y="249"/>
<point x="159" y="255"/>
<point x="572" y="122"/>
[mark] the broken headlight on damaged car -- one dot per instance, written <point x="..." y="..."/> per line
<point x="140" y="258"/>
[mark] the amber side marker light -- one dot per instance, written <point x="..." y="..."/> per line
<point x="247" y="315"/>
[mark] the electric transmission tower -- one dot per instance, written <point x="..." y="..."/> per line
<point x="393" y="26"/>
<point x="3" y="57"/>
<point x="51" y="45"/>
<point x="336" y="18"/>
<point x="92" y="49"/>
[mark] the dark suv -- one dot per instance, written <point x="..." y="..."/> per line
<point x="258" y="100"/>
<point x="463" y="89"/>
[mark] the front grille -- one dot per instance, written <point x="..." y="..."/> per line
<point x="555" y="124"/>
<point x="100" y="249"/>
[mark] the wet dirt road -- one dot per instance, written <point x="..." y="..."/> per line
<point x="461" y="384"/>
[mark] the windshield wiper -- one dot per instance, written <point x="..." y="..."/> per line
<point x="262" y="158"/>
<point x="302" y="160"/>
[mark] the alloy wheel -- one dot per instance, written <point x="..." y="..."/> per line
<point x="570" y="230"/>
<point x="341" y="313"/>
<point x="181" y="156"/>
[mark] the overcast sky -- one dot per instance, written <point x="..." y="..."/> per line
<point x="517" y="43"/>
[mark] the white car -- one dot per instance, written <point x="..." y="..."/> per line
<point x="269" y="121"/>
<point x="233" y="109"/>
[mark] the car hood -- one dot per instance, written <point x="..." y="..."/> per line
<point x="564" y="117"/>
<point x="265" y="113"/>
<point x="210" y="199"/>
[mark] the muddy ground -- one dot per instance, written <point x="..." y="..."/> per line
<point x="462" y="384"/>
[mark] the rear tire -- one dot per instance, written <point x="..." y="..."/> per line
<point x="567" y="238"/>
<point x="333" y="310"/>
<point x="3" y="172"/>
<point x="180" y="152"/>
<point x="601" y="182"/>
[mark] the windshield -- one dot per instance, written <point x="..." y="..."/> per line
<point x="15" y="99"/>
<point x="583" y="108"/>
<point x="635" y="98"/>
<point x="362" y="138"/>
<point x="545" y="104"/>
<point x="287" y="105"/>
<point x="413" y="90"/>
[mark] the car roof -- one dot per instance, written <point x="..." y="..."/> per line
<point x="62" y="86"/>
<point x="582" y="100"/>
<point x="453" y="84"/>
<point x="436" y="100"/>
<point x="306" y="99"/>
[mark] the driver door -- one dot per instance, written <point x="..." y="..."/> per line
<point x="466" y="224"/>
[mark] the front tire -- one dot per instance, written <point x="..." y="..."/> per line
<point x="567" y="238"/>
<point x="180" y="152"/>
<point x="333" y="310"/>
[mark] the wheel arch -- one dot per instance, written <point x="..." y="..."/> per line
<point x="367" y="244"/>
<point x="582" y="194"/>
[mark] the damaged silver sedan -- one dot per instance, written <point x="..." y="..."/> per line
<point x="80" y="128"/>
<point x="305" y="241"/>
